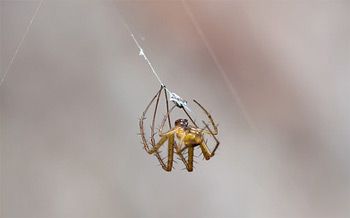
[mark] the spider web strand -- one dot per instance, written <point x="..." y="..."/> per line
<point x="20" y="43"/>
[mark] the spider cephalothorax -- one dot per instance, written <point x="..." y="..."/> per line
<point x="181" y="122"/>
<point x="188" y="136"/>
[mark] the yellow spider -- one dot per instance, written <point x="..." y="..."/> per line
<point x="188" y="136"/>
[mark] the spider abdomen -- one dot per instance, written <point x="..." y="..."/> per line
<point x="192" y="139"/>
<point x="189" y="136"/>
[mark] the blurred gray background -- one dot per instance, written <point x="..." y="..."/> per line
<point x="274" y="75"/>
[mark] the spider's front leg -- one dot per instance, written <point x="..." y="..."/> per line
<point x="163" y="137"/>
<point x="143" y="117"/>
<point x="212" y="132"/>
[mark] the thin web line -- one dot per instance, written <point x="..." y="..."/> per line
<point x="141" y="52"/>
<point x="218" y="65"/>
<point x="20" y="43"/>
<point x="173" y="96"/>
<point x="144" y="55"/>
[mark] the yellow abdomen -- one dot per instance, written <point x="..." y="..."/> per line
<point x="189" y="137"/>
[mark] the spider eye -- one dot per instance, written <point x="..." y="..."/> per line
<point x="185" y="122"/>
<point x="181" y="122"/>
<point x="178" y="122"/>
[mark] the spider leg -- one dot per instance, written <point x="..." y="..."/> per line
<point x="167" y="107"/>
<point x="154" y="115"/>
<point x="169" y="136"/>
<point x="166" y="117"/>
<point x="207" y="154"/>
<point x="188" y="115"/>
<point x="155" y="148"/>
<point x="215" y="132"/>
<point x="216" y="139"/>
<point x="190" y="154"/>
<point x="190" y="158"/>
<point x="205" y="150"/>
<point x="142" y="132"/>
<point x="171" y="142"/>
<point x="143" y="117"/>
<point x="189" y="165"/>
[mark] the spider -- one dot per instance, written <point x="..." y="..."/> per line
<point x="188" y="136"/>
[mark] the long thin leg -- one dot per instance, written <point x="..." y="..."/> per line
<point x="171" y="142"/>
<point x="188" y="115"/>
<point x="154" y="116"/>
<point x="216" y="140"/>
<point x="167" y="107"/>
<point x="171" y="139"/>
<point x="166" y="117"/>
<point x="215" y="132"/>
<point x="189" y="162"/>
<point x="155" y="148"/>
<point x="169" y="135"/>
<point x="205" y="150"/>
<point x="189" y="166"/>
<point x="143" y="117"/>
<point x="207" y="154"/>
<point x="190" y="158"/>
<point x="142" y="132"/>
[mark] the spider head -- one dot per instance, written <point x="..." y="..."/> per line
<point x="181" y="122"/>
